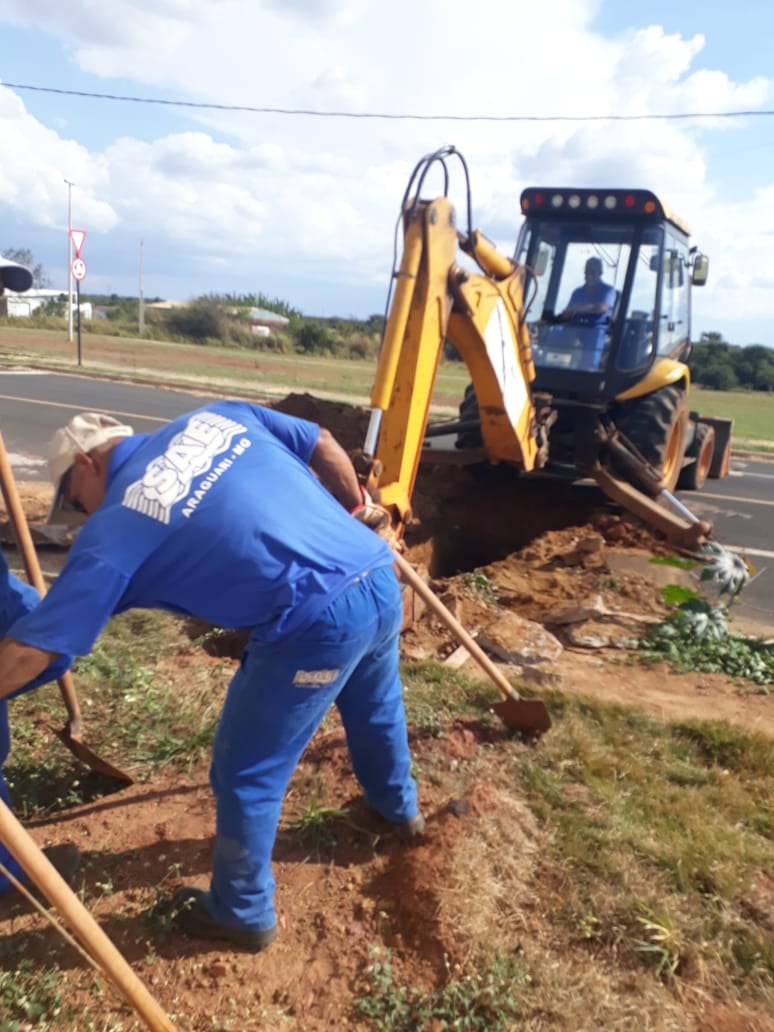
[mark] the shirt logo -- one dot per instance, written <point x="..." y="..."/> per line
<point x="191" y="453"/>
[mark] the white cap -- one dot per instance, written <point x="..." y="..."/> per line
<point x="84" y="432"/>
<point x="14" y="276"/>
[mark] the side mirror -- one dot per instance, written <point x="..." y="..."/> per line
<point x="700" y="270"/>
<point x="653" y="264"/>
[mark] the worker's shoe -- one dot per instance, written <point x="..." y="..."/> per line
<point x="65" y="857"/>
<point x="193" y="918"/>
<point x="407" y="830"/>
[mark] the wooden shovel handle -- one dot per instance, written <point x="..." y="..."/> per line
<point x="409" y="574"/>
<point x="23" y="538"/>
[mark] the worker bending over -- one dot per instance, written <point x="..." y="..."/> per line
<point x="16" y="600"/>
<point x="240" y="516"/>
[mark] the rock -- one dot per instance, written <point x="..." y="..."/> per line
<point x="457" y="658"/>
<point x="459" y="807"/>
<point x="598" y="635"/>
<point x="595" y="606"/>
<point x="525" y="643"/>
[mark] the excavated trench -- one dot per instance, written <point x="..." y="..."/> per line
<point x="464" y="522"/>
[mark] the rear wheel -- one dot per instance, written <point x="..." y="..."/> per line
<point x="657" y="425"/>
<point x="694" y="477"/>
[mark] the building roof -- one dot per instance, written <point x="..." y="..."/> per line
<point x="264" y="315"/>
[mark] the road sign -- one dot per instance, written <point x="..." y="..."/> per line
<point x="78" y="269"/>
<point x="77" y="236"/>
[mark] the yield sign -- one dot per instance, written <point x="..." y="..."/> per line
<point x="77" y="236"/>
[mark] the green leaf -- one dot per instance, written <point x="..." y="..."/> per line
<point x="676" y="594"/>
<point x="674" y="561"/>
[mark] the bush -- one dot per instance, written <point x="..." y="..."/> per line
<point x="314" y="339"/>
<point x="199" y="322"/>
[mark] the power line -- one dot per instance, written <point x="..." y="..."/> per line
<point x="400" y="117"/>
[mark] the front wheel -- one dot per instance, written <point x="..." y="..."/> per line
<point x="657" y="425"/>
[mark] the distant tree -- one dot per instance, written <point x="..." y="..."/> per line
<point x="24" y="256"/>
<point x="718" y="375"/>
<point x="764" y="376"/>
<point x="749" y="362"/>
<point x="56" y="306"/>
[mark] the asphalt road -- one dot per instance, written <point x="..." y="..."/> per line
<point x="34" y="405"/>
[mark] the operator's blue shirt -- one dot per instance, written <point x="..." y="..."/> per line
<point x="217" y="515"/>
<point x="598" y="294"/>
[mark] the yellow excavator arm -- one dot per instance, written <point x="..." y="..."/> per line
<point x="435" y="300"/>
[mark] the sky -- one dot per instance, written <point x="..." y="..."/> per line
<point x="304" y="208"/>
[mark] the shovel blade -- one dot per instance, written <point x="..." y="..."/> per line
<point x="91" y="759"/>
<point x="529" y="716"/>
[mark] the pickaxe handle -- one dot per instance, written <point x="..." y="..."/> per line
<point x="23" y="538"/>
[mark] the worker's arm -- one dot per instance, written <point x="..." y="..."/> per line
<point x="578" y="306"/>
<point x="333" y="466"/>
<point x="20" y="664"/>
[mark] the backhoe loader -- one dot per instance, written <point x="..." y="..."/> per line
<point x="605" y="396"/>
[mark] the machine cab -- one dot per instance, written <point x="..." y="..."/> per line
<point x="613" y="271"/>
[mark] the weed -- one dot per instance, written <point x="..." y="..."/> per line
<point x="663" y="944"/>
<point x="695" y="636"/>
<point x="487" y="999"/>
<point x="30" y="997"/>
<point x="316" y="825"/>
<point x="479" y="584"/>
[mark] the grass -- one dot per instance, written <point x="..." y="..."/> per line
<point x="143" y="707"/>
<point x="660" y="830"/>
<point x="752" y="411"/>
<point x="256" y="372"/>
<point x="657" y="834"/>
<point x="489" y="1000"/>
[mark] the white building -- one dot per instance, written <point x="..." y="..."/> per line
<point x="21" y="306"/>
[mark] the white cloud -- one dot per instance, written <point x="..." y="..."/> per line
<point x="321" y="195"/>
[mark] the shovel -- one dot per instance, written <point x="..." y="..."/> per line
<point x="529" y="716"/>
<point x="71" y="733"/>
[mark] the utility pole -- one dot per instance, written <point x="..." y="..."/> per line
<point x="69" y="260"/>
<point x="142" y="295"/>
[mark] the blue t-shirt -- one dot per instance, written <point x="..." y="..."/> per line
<point x="17" y="599"/>
<point x="218" y="516"/>
<point x="599" y="294"/>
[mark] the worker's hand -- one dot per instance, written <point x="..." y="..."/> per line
<point x="373" y="515"/>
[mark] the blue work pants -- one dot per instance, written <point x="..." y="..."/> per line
<point x="275" y="703"/>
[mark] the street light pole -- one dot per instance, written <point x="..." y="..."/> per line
<point x="69" y="260"/>
<point x="141" y="298"/>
